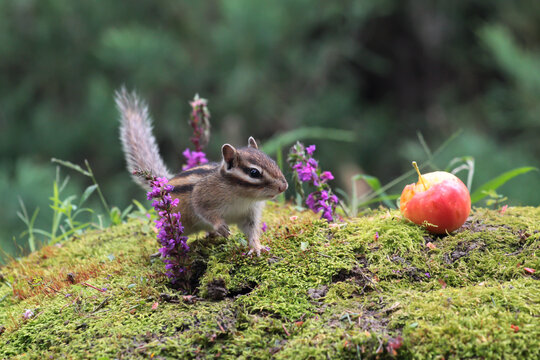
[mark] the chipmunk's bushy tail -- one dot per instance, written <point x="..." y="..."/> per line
<point x="140" y="148"/>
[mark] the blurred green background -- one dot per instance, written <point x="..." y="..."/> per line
<point x="381" y="69"/>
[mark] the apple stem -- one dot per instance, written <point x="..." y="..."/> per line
<point x="415" y="165"/>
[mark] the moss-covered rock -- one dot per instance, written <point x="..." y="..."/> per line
<point x="322" y="291"/>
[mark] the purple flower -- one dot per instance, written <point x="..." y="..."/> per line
<point x="313" y="163"/>
<point x="307" y="171"/>
<point x="321" y="201"/>
<point x="327" y="175"/>
<point x="264" y="227"/>
<point x="174" y="246"/>
<point x="324" y="195"/>
<point x="310" y="201"/>
<point x="28" y="314"/>
<point x="200" y="122"/>
<point x="194" y="158"/>
<point x="327" y="215"/>
<point x="197" y="102"/>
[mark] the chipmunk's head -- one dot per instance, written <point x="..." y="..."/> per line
<point x="251" y="172"/>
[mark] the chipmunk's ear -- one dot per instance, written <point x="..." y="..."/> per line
<point x="229" y="155"/>
<point x="252" y="143"/>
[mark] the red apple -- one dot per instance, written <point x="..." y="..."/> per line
<point x="439" y="200"/>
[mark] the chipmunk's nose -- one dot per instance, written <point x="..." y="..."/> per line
<point x="283" y="186"/>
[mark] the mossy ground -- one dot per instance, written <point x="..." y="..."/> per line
<point x="323" y="291"/>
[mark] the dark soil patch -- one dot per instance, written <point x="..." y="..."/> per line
<point x="169" y="298"/>
<point x="197" y="269"/>
<point x="244" y="290"/>
<point x="463" y="249"/>
<point x="372" y="319"/>
<point x="477" y="225"/>
<point x="376" y="321"/>
<point x="361" y="277"/>
<point x="523" y="236"/>
<point x="217" y="290"/>
<point x="412" y="272"/>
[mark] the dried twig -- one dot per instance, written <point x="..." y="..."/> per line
<point x="284" y="329"/>
<point x="102" y="304"/>
<point x="93" y="287"/>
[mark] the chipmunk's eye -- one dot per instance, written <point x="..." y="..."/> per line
<point x="254" y="173"/>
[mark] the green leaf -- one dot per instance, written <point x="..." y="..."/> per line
<point x="64" y="184"/>
<point x="372" y="181"/>
<point x="290" y="137"/>
<point x="126" y="211"/>
<point x="140" y="207"/>
<point x="42" y="232"/>
<point x="82" y="211"/>
<point x="500" y="180"/>
<point x="375" y="185"/>
<point x="384" y="199"/>
<point x="67" y="234"/>
<point x="115" y="216"/>
<point x="424" y="144"/>
<point x="29" y="224"/>
<point x="71" y="166"/>
<point x="467" y="164"/>
<point x="89" y="190"/>
<point x="304" y="245"/>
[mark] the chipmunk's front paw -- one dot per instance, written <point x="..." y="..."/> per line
<point x="223" y="230"/>
<point x="256" y="249"/>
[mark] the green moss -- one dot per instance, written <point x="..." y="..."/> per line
<point x="341" y="290"/>
<point x="474" y="321"/>
<point x="321" y="292"/>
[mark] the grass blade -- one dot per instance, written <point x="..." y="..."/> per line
<point x="468" y="164"/>
<point x="290" y="137"/>
<point x="372" y="181"/>
<point x="29" y="222"/>
<point x="89" y="190"/>
<point x="384" y="198"/>
<point x="140" y="207"/>
<point x="71" y="165"/>
<point x="375" y="186"/>
<point x="126" y="211"/>
<point x="91" y="175"/>
<point x="500" y="180"/>
<point x="42" y="232"/>
<point x="422" y="141"/>
<point x="411" y="172"/>
<point x="66" y="234"/>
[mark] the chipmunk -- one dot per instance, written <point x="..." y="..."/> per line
<point x="212" y="195"/>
